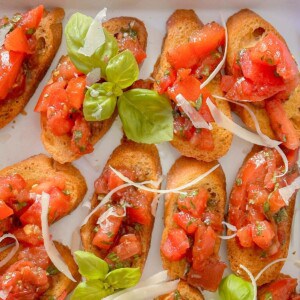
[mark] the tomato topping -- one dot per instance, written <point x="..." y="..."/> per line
<point x="244" y="235"/>
<point x="186" y="222"/>
<point x="29" y="235"/>
<point x="11" y="185"/>
<point x="65" y="71"/>
<point x="75" y="92"/>
<point x="203" y="139"/>
<point x="276" y="202"/>
<point x="108" y="230"/>
<point x="5" y="210"/>
<point x="166" y="81"/>
<point x="36" y="255"/>
<point x="194" y="202"/>
<point x="176" y="244"/>
<point x="46" y="184"/>
<point x="263" y="234"/>
<point x="281" y="124"/>
<point x="31" y="19"/>
<point x="129" y="246"/>
<point x="16" y="41"/>
<point x="133" y="45"/>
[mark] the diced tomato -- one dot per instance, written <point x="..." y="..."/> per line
<point x="11" y="185"/>
<point x="75" y="92"/>
<point x="263" y="234"/>
<point x="65" y="71"/>
<point x="183" y="127"/>
<point x="59" y="204"/>
<point x="114" y="180"/>
<point x="281" y="289"/>
<point x="207" y="65"/>
<point x="10" y="66"/>
<point x="193" y="203"/>
<point x="276" y="202"/>
<point x="5" y="225"/>
<point x="204" y="244"/>
<point x="292" y="156"/>
<point x="133" y="45"/>
<point x="143" y="84"/>
<point x="106" y="233"/>
<point x="47" y="94"/>
<point x="203" y="139"/>
<point x="81" y="134"/>
<point x="257" y="195"/>
<point x="281" y="124"/>
<point x="29" y="235"/>
<point x="209" y="276"/>
<point x="46" y="184"/>
<point x="32" y="18"/>
<point x="213" y="219"/>
<point x="129" y="246"/>
<point x="36" y="255"/>
<point x="166" y="81"/>
<point x="5" y="210"/>
<point x="244" y="235"/>
<point x="186" y="222"/>
<point x="227" y="82"/>
<point x="16" y="41"/>
<point x="175" y="246"/>
<point x="63" y="295"/>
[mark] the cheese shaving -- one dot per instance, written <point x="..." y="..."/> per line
<point x="93" y="76"/>
<point x="252" y="280"/>
<point x="103" y="221"/>
<point x="229" y="226"/>
<point x="195" y="117"/>
<point x="227" y="237"/>
<point x="95" y="36"/>
<point x="13" y="250"/>
<point x="51" y="250"/>
<point x="4" y="293"/>
<point x="287" y="192"/>
<point x="3" y="32"/>
<point x="221" y="63"/>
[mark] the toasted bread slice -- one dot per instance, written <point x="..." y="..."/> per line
<point x="250" y="258"/>
<point x="48" y="36"/>
<point x="245" y="28"/>
<point x="59" y="146"/>
<point x="144" y="161"/>
<point x="181" y="24"/>
<point x="59" y="283"/>
<point x="41" y="166"/>
<point x="183" y="171"/>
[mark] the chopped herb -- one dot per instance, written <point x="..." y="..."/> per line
<point x="51" y="298"/>
<point x="263" y="254"/>
<point x="182" y="195"/>
<point x="96" y="229"/>
<point x="281" y="216"/>
<point x="193" y="204"/>
<point x="20" y="205"/>
<point x="30" y="31"/>
<point x="266" y="207"/>
<point x="259" y="229"/>
<point x="167" y="72"/>
<point x="239" y="181"/>
<point x="110" y="234"/>
<point x="66" y="192"/>
<point x="16" y="18"/>
<point x="77" y="135"/>
<point x="177" y="295"/>
<point x="205" y="71"/>
<point x="268" y="296"/>
<point x="52" y="270"/>
<point x="193" y="193"/>
<point x="10" y="187"/>
<point x="211" y="203"/>
<point x="82" y="148"/>
<point x="198" y="130"/>
<point x="199" y="102"/>
<point x="113" y="256"/>
<point x="137" y="227"/>
<point x="251" y="201"/>
<point x="129" y="31"/>
<point x="284" y="138"/>
<point x="276" y="74"/>
<point x="270" y="61"/>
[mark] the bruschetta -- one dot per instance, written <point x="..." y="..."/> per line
<point x="20" y="209"/>
<point x="260" y="214"/>
<point x="30" y="274"/>
<point x="193" y="221"/>
<point x="190" y="53"/>
<point x="261" y="70"/>
<point x="30" y="44"/>
<point x="120" y="231"/>
<point x="66" y="134"/>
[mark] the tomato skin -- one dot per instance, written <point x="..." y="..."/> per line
<point x="75" y="92"/>
<point x="176" y="244"/>
<point x="262" y="234"/>
<point x="5" y="210"/>
<point x="244" y="235"/>
<point x="16" y="41"/>
<point x="32" y="18"/>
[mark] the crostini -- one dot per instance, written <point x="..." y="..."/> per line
<point x="30" y="44"/>
<point x="261" y="70"/>
<point x="193" y="221"/>
<point x="120" y="230"/>
<point x="21" y="183"/>
<point x="190" y="53"/>
<point x="30" y="274"/>
<point x="261" y="215"/>
<point x="66" y="134"/>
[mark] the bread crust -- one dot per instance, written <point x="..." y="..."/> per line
<point x="144" y="161"/>
<point x="60" y="146"/>
<point x="181" y="24"/>
<point x="183" y="171"/>
<point x="48" y="36"/>
<point x="251" y="258"/>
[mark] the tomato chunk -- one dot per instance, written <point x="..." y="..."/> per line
<point x="133" y="45"/>
<point x="17" y="41"/>
<point x="75" y="92"/>
<point x="186" y="222"/>
<point x="29" y="235"/>
<point x="32" y="18"/>
<point x="36" y="255"/>
<point x="244" y="235"/>
<point x="65" y="71"/>
<point x="5" y="210"/>
<point x="263" y="234"/>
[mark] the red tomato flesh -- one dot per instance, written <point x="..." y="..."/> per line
<point x="133" y="45"/>
<point x="16" y="41"/>
<point x="244" y="235"/>
<point x="29" y="235"/>
<point x="186" y="222"/>
<point x="75" y="92"/>
<point x="263" y="234"/>
<point x="32" y="18"/>
<point x="5" y="210"/>
<point x="281" y="289"/>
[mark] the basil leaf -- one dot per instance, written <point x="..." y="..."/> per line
<point x="146" y="116"/>
<point x="233" y="287"/>
<point x="76" y="31"/>
<point x="91" y="290"/>
<point x="123" y="278"/>
<point x="123" y="69"/>
<point x="91" y="266"/>
<point x="100" y="101"/>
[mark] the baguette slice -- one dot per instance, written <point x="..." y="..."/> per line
<point x="59" y="146"/>
<point x="59" y="283"/>
<point x="183" y="171"/>
<point x="48" y="36"/>
<point x="251" y="258"/>
<point x="41" y="166"/>
<point x="144" y="161"/>
<point x="181" y="24"/>
<point x="244" y="30"/>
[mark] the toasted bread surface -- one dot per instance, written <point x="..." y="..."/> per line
<point x="251" y="258"/>
<point x="48" y="36"/>
<point x="181" y="24"/>
<point x="144" y="161"/>
<point x="59" y="146"/>
<point x="183" y="171"/>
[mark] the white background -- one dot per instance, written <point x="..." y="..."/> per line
<point x="21" y="139"/>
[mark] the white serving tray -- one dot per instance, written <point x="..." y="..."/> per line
<point x="21" y="138"/>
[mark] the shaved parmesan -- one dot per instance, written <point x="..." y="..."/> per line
<point x="253" y="280"/>
<point x="93" y="76"/>
<point x="48" y="244"/>
<point x="227" y="237"/>
<point x="221" y="63"/>
<point x="103" y="221"/>
<point x="4" y="294"/>
<point x="95" y="36"/>
<point x="196" y="119"/>
<point x="287" y="192"/>
<point x="4" y="30"/>
<point x="229" y="226"/>
<point x="13" y="250"/>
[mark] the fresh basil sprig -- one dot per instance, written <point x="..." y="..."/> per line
<point x="233" y="287"/>
<point x="101" y="283"/>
